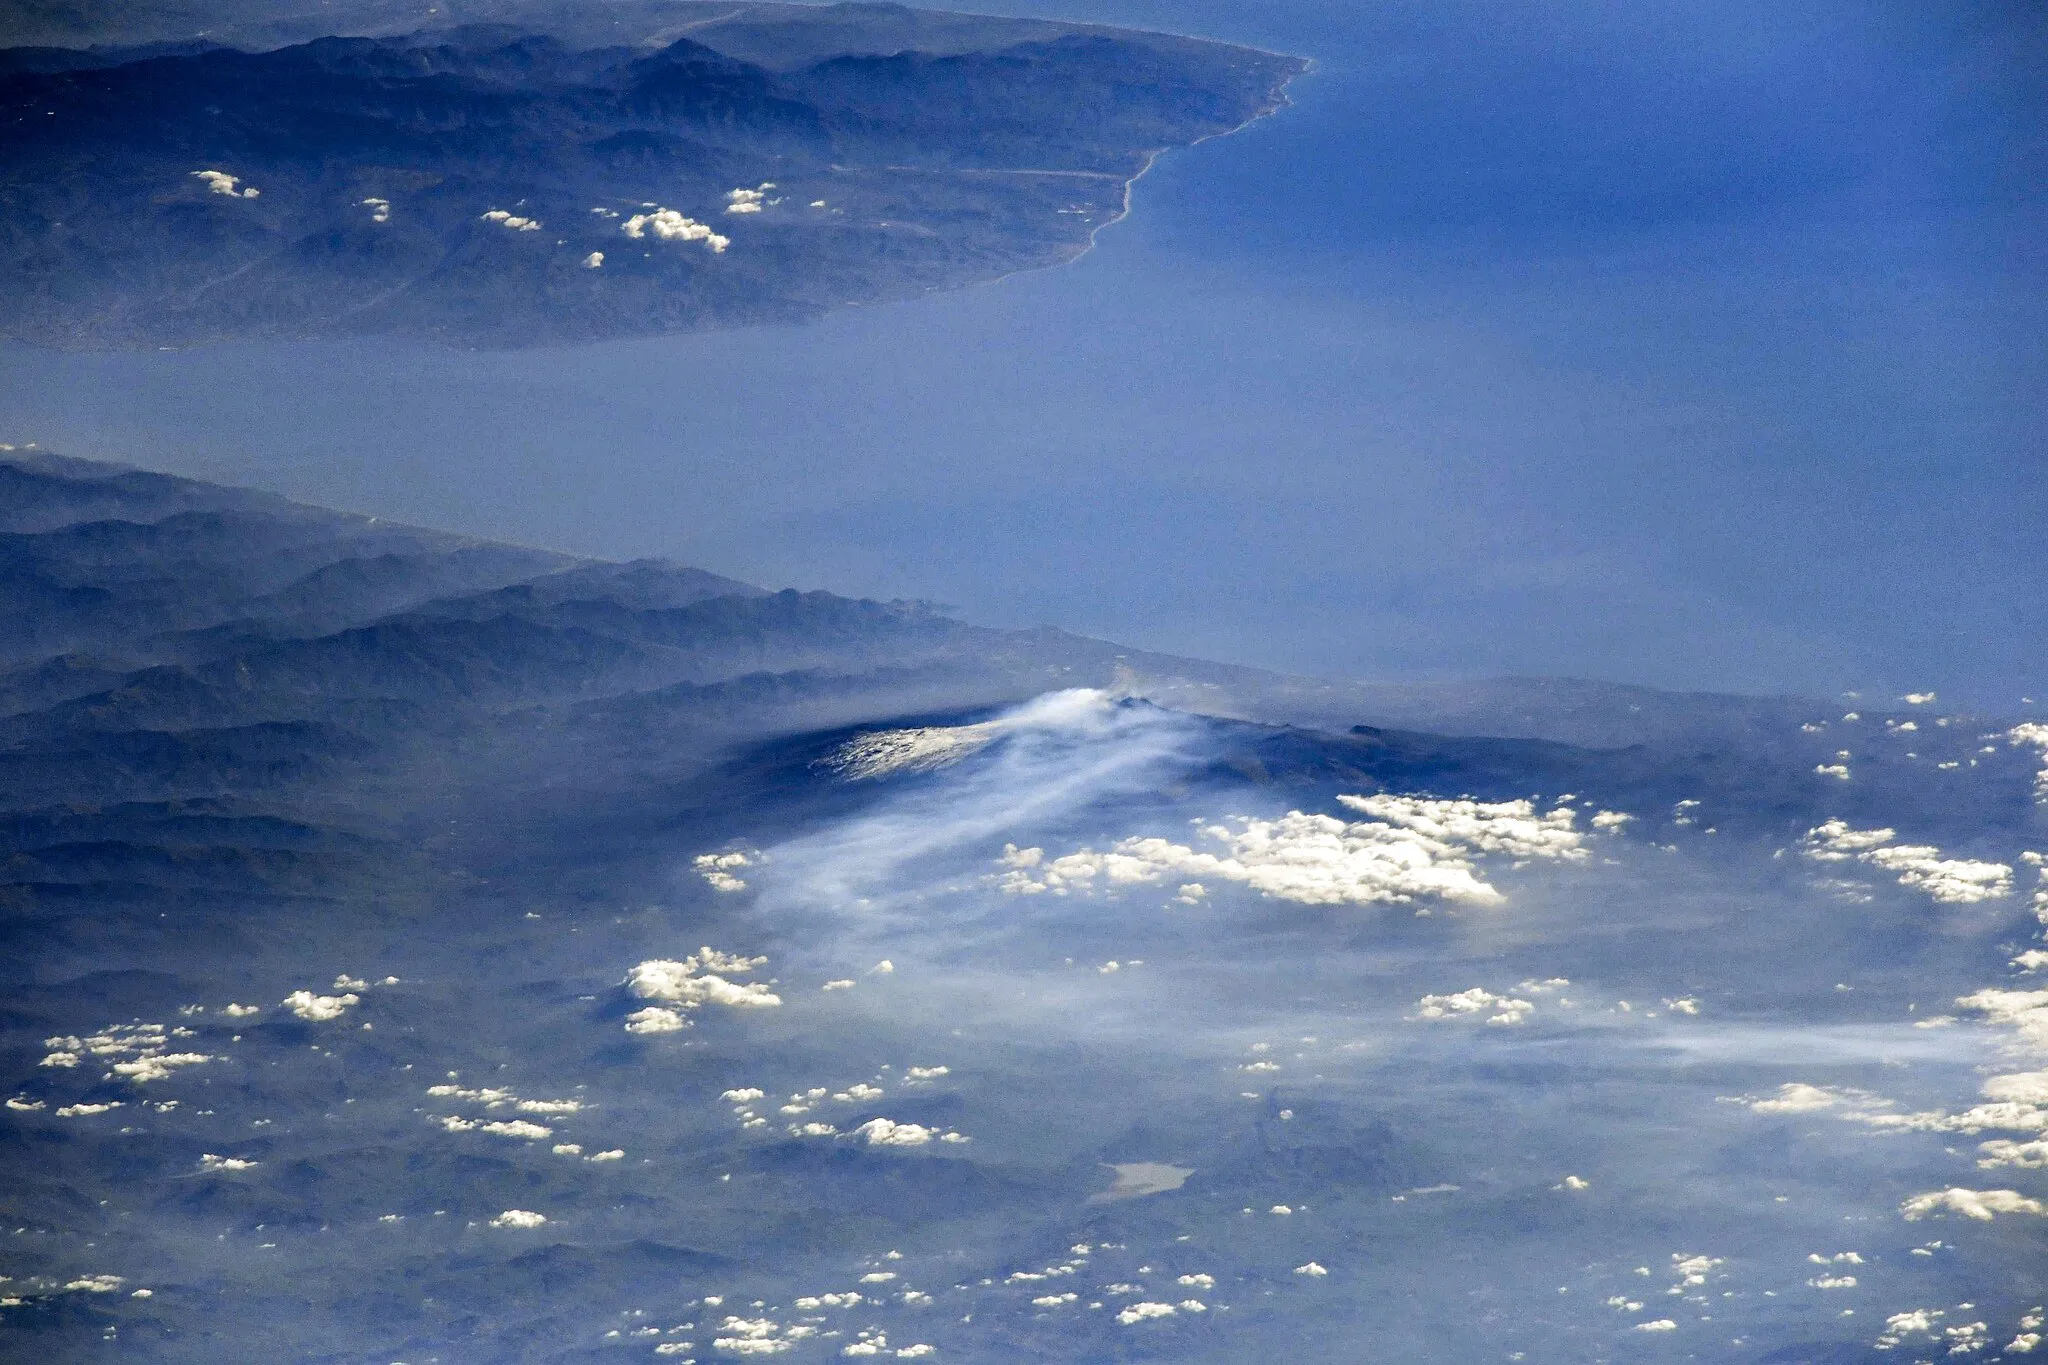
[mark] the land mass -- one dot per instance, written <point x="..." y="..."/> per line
<point x="250" y="747"/>
<point x="568" y="174"/>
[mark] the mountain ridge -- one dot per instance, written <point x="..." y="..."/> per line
<point x="490" y="185"/>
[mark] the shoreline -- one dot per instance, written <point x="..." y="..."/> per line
<point x="1279" y="101"/>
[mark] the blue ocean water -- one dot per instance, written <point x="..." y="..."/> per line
<point x="1700" y="348"/>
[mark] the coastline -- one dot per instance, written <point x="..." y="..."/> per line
<point x="1277" y="101"/>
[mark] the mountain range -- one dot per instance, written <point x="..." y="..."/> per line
<point x="557" y="174"/>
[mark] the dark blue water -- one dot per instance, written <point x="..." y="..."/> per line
<point x="1698" y="346"/>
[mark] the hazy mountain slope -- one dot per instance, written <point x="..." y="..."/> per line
<point x="327" y="848"/>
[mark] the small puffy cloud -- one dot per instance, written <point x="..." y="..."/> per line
<point x="497" y="1097"/>
<point x="667" y="225"/>
<point x="2030" y="1156"/>
<point x="1410" y="847"/>
<point x="2025" y="1012"/>
<point x="1915" y="1322"/>
<point x="86" y="1110"/>
<point x="1835" y="770"/>
<point x="1657" y="1325"/>
<point x="2020" y="1087"/>
<point x="505" y="218"/>
<point x="1981" y="1205"/>
<point x="519" y="1218"/>
<point x="614" y="1154"/>
<point x="1574" y="1182"/>
<point x="516" y="1128"/>
<point x="1835" y="842"/>
<point x="655" y="1019"/>
<point x="235" y="1011"/>
<point x="1960" y="881"/>
<point x="751" y="1337"/>
<point x="158" y="1066"/>
<point x="1477" y="1003"/>
<point x="138" y="1053"/>
<point x="380" y="209"/>
<point x="700" y="979"/>
<point x="1197" y="1281"/>
<point x="1610" y="820"/>
<point x="881" y="1132"/>
<point x="1692" y="1270"/>
<point x="722" y="870"/>
<point x="2034" y="732"/>
<point x="594" y="261"/>
<point x="320" y="1008"/>
<point x="93" y="1284"/>
<point x="1145" y="1312"/>
<point x="926" y="1073"/>
<point x="844" y="983"/>
<point x="211" y="1162"/>
<point x="744" y="1095"/>
<point x="1797" y="1097"/>
<point x="749" y="201"/>
<point x="1311" y="1270"/>
<point x="1833" y="1282"/>
<point x="220" y="182"/>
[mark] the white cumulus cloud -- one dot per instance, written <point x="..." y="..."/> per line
<point x="1919" y="866"/>
<point x="1142" y="1312"/>
<point x="220" y="182"/>
<point x="1410" y="847"/>
<point x="213" y="1162"/>
<point x="519" y="1218"/>
<point x="1476" y="1003"/>
<point x="2034" y="732"/>
<point x="700" y="979"/>
<point x="667" y="225"/>
<point x="320" y="1008"/>
<point x="1981" y="1205"/>
<point x="722" y="870"/>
